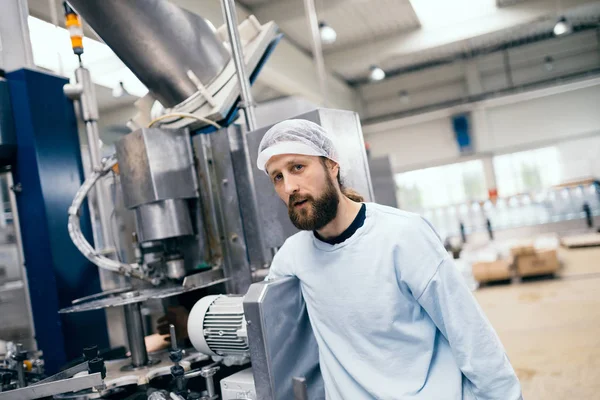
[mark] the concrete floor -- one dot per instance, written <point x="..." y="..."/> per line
<point x="551" y="328"/>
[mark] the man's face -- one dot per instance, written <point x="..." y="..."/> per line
<point x="306" y="185"/>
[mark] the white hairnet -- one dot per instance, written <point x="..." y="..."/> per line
<point x="296" y="136"/>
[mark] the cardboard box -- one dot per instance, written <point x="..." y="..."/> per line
<point x="522" y="250"/>
<point x="541" y="263"/>
<point x="490" y="271"/>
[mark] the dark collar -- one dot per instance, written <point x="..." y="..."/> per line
<point x="357" y="223"/>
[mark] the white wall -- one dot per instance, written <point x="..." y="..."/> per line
<point x="503" y="125"/>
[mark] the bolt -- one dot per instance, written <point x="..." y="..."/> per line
<point x="234" y="237"/>
<point x="225" y="181"/>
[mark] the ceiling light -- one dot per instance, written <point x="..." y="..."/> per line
<point x="549" y="63"/>
<point x="376" y="73"/>
<point x="562" y="27"/>
<point x="328" y="34"/>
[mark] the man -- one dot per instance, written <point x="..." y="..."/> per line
<point x="391" y="314"/>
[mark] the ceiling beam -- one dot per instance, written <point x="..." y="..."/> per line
<point x="352" y="62"/>
<point x="284" y="11"/>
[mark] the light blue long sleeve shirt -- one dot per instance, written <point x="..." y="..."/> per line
<point x="392" y="315"/>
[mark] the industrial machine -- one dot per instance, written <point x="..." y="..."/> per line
<point x="207" y="223"/>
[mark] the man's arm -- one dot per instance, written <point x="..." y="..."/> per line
<point x="473" y="341"/>
<point x="281" y="266"/>
<point x="442" y="292"/>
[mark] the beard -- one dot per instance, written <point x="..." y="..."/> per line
<point x="318" y="212"/>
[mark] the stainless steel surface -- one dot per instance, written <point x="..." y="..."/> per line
<point x="135" y="334"/>
<point x="382" y="178"/>
<point x="15" y="52"/>
<point x="345" y="125"/>
<point x="244" y="168"/>
<point x="216" y="166"/>
<point x="106" y="293"/>
<point x="173" y="335"/>
<point x="53" y="388"/>
<point x="159" y="42"/>
<point x="300" y="390"/>
<point x="204" y="279"/>
<point x="192" y="282"/>
<point x="317" y="51"/>
<point x="67" y="373"/>
<point x="156" y="164"/>
<point x="176" y="268"/>
<point x="239" y="386"/>
<point x="209" y="199"/>
<point x="163" y="219"/>
<point x="276" y="316"/>
<point x="230" y="18"/>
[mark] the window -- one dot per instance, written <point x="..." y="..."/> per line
<point x="441" y="186"/>
<point x="527" y="171"/>
<point x="51" y="48"/>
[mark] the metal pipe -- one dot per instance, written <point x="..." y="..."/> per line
<point x="313" y="25"/>
<point x="135" y="334"/>
<point x="230" y="17"/>
<point x="20" y="358"/>
<point x="240" y="140"/>
<point x="32" y="344"/>
<point x="89" y="113"/>
<point x="159" y="42"/>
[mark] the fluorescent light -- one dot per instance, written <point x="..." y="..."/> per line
<point x="376" y="74"/>
<point x="562" y="27"/>
<point x="328" y="34"/>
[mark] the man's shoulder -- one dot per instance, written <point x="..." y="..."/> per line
<point x="393" y="215"/>
<point x="404" y="222"/>
<point x="296" y="241"/>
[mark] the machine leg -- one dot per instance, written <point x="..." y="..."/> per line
<point x="135" y="335"/>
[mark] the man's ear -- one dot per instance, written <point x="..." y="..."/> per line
<point x="332" y="167"/>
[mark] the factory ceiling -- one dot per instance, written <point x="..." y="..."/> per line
<point x="432" y="51"/>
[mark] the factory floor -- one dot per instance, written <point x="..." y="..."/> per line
<point x="551" y="328"/>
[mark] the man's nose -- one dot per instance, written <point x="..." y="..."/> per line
<point x="290" y="185"/>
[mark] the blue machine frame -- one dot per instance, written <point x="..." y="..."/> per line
<point x="49" y="171"/>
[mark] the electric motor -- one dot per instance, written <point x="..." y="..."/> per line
<point x="217" y="326"/>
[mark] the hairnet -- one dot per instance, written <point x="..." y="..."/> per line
<point x="296" y="136"/>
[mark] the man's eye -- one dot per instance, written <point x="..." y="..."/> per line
<point x="298" y="167"/>
<point x="277" y="178"/>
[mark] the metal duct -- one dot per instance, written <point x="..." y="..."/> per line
<point x="159" y="42"/>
